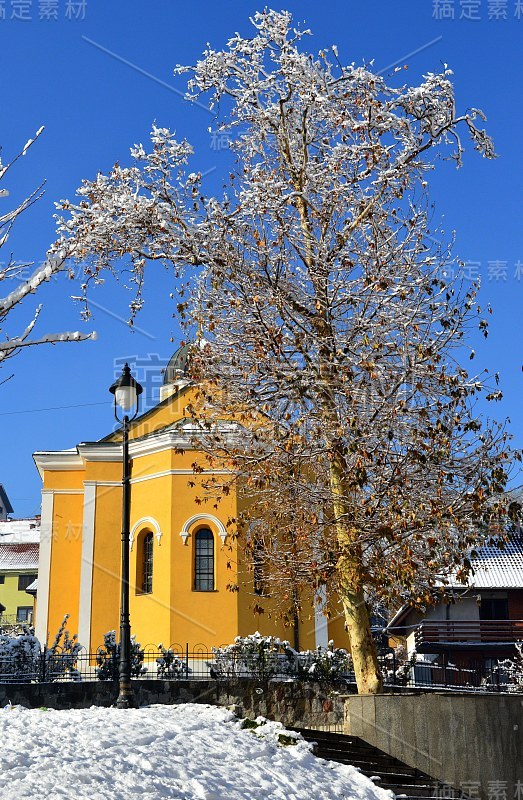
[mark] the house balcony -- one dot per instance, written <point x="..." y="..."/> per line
<point x="436" y="636"/>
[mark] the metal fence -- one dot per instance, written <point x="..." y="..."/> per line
<point x="182" y="663"/>
<point x="474" y="675"/>
<point x="9" y="621"/>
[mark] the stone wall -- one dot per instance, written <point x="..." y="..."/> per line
<point x="296" y="704"/>
<point x="470" y="741"/>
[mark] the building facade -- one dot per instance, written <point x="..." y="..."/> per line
<point x="5" y="506"/>
<point x="484" y="620"/>
<point x="189" y="580"/>
<point x="19" y="547"/>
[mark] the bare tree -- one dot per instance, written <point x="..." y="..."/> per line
<point x="13" y="272"/>
<point x="334" y="335"/>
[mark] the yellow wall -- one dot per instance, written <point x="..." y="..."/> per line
<point x="65" y="561"/>
<point x="105" y="597"/>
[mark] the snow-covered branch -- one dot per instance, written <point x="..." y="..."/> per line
<point x="334" y="335"/>
<point x="12" y="272"/>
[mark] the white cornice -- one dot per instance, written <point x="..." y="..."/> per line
<point x="101" y="451"/>
<point x="59" y="460"/>
<point x="168" y="472"/>
<point x="181" y="438"/>
<point x="103" y="483"/>
<point x="163" y="440"/>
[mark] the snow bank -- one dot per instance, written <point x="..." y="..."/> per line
<point x="185" y="752"/>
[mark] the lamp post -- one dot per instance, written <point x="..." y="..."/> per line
<point x="126" y="393"/>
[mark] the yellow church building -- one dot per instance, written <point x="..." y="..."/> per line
<point x="183" y="554"/>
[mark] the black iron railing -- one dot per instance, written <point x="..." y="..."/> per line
<point x="183" y="663"/>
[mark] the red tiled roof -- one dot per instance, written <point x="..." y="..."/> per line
<point x="19" y="556"/>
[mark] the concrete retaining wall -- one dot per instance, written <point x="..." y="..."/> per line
<point x="466" y="740"/>
<point x="296" y="704"/>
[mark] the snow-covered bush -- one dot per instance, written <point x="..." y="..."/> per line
<point x="108" y="658"/>
<point x="397" y="666"/>
<point x="510" y="671"/>
<point x="61" y="658"/>
<point x="253" y="656"/>
<point x="170" y="665"/>
<point x="264" y="657"/>
<point x="19" y="657"/>
<point x="22" y="659"/>
<point x="325" y="664"/>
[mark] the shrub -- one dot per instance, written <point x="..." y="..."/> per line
<point x="253" y="656"/>
<point x="108" y="658"/>
<point x="23" y="660"/>
<point x="264" y="657"/>
<point x="19" y="657"/>
<point x="510" y="671"/>
<point x="398" y="667"/>
<point x="170" y="665"/>
<point x="325" y="664"/>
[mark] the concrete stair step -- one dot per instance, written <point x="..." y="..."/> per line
<point x="411" y="790"/>
<point x="366" y="764"/>
<point x="388" y="772"/>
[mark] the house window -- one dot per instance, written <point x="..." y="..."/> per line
<point x="144" y="563"/>
<point x="2" y="578"/>
<point x="204" y="561"/>
<point x="24" y="613"/>
<point x="24" y="581"/>
<point x="493" y="608"/>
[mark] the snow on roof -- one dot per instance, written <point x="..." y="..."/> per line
<point x="33" y="587"/>
<point x="493" y="568"/>
<point x="19" y="556"/>
<point x="498" y="567"/>
<point x="19" y="531"/>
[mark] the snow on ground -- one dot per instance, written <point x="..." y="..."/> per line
<point x="184" y="752"/>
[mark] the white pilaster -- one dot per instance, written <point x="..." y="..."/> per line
<point x="44" y="566"/>
<point x="86" y="567"/>
<point x="321" y="622"/>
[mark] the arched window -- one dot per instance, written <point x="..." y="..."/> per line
<point x="204" y="560"/>
<point x="144" y="563"/>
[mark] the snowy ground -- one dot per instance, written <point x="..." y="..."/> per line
<point x="186" y="752"/>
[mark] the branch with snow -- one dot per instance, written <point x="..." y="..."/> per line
<point x="53" y="264"/>
<point x="334" y="337"/>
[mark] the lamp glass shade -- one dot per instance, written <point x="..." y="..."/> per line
<point x="126" y="397"/>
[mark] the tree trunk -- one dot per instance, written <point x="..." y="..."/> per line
<point x="357" y="618"/>
<point x="362" y="645"/>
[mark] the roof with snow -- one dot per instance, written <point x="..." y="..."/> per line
<point x="494" y="567"/>
<point x="33" y="587"/>
<point x="20" y="531"/>
<point x="19" y="556"/>
<point x="498" y="567"/>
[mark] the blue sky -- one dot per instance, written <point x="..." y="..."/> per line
<point x="98" y="82"/>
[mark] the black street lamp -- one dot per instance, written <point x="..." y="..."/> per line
<point x="126" y="393"/>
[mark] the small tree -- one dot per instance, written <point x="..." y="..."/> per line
<point x="61" y="657"/>
<point x="333" y="332"/>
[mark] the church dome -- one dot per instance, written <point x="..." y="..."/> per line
<point x="177" y="367"/>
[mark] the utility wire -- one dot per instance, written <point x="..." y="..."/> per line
<point x="53" y="408"/>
